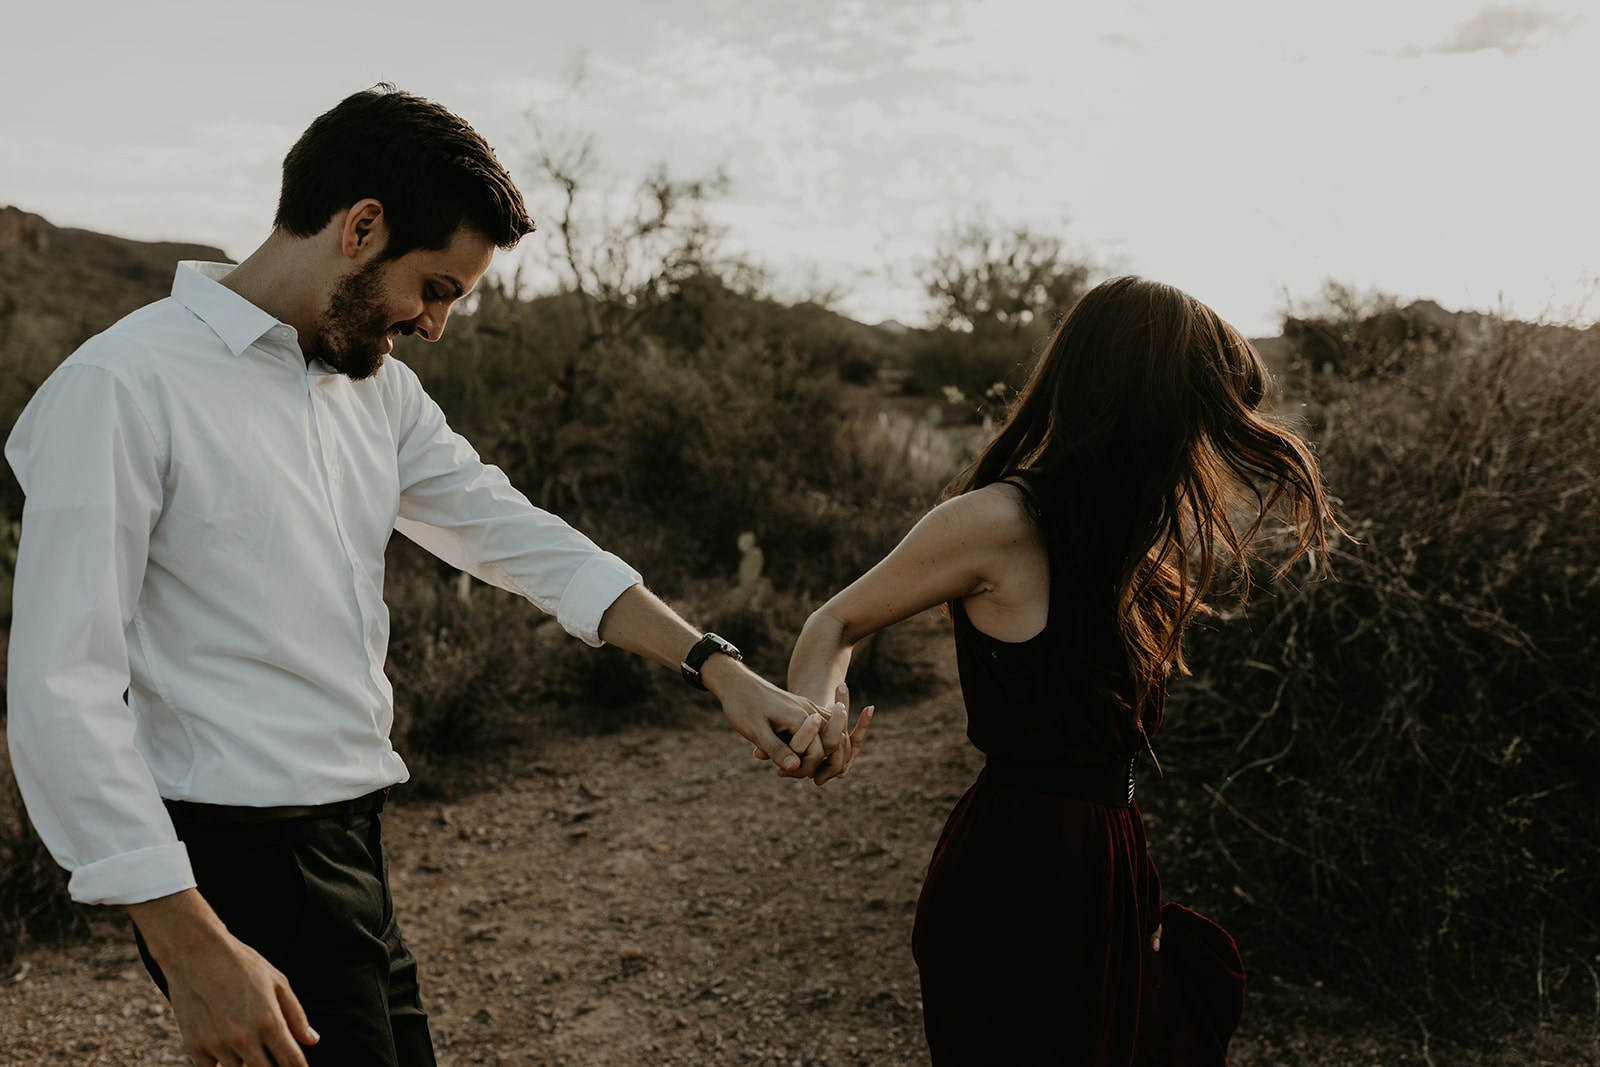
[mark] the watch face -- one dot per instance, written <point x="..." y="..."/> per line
<point x="722" y="644"/>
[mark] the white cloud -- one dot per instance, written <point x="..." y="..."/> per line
<point x="1507" y="28"/>
<point x="1231" y="148"/>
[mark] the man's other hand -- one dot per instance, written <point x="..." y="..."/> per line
<point x="233" y="1007"/>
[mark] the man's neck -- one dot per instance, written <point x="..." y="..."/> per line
<point x="287" y="278"/>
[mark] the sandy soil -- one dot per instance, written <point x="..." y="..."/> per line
<point x="658" y="897"/>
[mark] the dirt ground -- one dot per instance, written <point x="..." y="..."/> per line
<point x="658" y="897"/>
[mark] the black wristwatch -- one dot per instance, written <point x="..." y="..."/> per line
<point x="701" y="652"/>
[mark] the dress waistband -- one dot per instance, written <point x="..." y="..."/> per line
<point x="188" y="811"/>
<point x="1107" y="784"/>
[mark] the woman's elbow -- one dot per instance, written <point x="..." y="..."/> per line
<point x="824" y="627"/>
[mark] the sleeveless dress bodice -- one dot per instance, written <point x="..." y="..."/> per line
<point x="1024" y="704"/>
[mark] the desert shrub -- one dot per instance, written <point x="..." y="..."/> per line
<point x="1406" y="760"/>
<point x="476" y="670"/>
<point x="1347" y="335"/>
<point x="714" y="413"/>
<point x="720" y="414"/>
<point x="970" y="363"/>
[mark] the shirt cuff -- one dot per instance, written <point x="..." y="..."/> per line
<point x="591" y="591"/>
<point x="132" y="877"/>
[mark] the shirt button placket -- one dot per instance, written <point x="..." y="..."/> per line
<point x="334" y="476"/>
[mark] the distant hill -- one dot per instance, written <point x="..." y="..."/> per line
<point x="58" y="288"/>
<point x="81" y="281"/>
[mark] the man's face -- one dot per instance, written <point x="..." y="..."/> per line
<point x="382" y="299"/>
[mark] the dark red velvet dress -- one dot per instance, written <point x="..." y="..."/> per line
<point x="1033" y="929"/>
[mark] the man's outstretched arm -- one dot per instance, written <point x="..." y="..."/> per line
<point x="639" y="622"/>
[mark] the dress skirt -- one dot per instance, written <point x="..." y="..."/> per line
<point x="1033" y="940"/>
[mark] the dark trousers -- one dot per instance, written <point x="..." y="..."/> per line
<point x="312" y="896"/>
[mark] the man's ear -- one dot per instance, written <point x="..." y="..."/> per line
<point x="363" y="232"/>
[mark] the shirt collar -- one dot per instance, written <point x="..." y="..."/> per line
<point x="239" y="323"/>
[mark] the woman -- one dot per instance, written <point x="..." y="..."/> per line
<point x="1072" y="553"/>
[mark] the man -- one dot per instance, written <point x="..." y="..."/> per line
<point x="199" y="717"/>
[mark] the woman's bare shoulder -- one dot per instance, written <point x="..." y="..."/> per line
<point x="1008" y="549"/>
<point x="999" y="514"/>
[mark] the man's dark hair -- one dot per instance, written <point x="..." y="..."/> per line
<point x="430" y="170"/>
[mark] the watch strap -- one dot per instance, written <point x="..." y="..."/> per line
<point x="702" y="651"/>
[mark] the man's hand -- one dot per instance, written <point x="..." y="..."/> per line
<point x="841" y="746"/>
<point x="770" y="718"/>
<point x="233" y="1007"/>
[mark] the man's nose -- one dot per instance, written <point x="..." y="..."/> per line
<point x="430" y="324"/>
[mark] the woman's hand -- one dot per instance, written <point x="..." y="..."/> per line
<point x="841" y="744"/>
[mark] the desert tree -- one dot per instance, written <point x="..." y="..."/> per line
<point x="985" y="277"/>
<point x="996" y="291"/>
<point x="622" y="255"/>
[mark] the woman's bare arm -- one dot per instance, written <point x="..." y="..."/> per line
<point x="981" y="544"/>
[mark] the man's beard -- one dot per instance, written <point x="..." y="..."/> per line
<point x="350" y="334"/>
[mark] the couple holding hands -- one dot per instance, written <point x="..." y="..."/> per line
<point x="198" y="713"/>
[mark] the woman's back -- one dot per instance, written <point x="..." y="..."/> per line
<point x="1024" y="703"/>
<point x="1025" y="664"/>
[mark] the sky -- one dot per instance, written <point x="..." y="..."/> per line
<point x="1243" y="150"/>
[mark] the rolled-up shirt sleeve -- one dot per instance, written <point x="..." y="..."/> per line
<point x="468" y="514"/>
<point x="91" y="467"/>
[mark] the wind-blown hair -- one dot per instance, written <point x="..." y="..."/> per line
<point x="1137" y="431"/>
<point x="430" y="170"/>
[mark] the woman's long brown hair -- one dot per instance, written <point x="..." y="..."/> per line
<point x="1137" y="431"/>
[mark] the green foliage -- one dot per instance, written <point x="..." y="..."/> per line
<point x="1407" y="758"/>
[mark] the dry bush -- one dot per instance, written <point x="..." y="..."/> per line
<point x="1403" y="763"/>
<point x="720" y="415"/>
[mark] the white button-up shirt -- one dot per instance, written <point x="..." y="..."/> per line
<point x="204" y="532"/>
